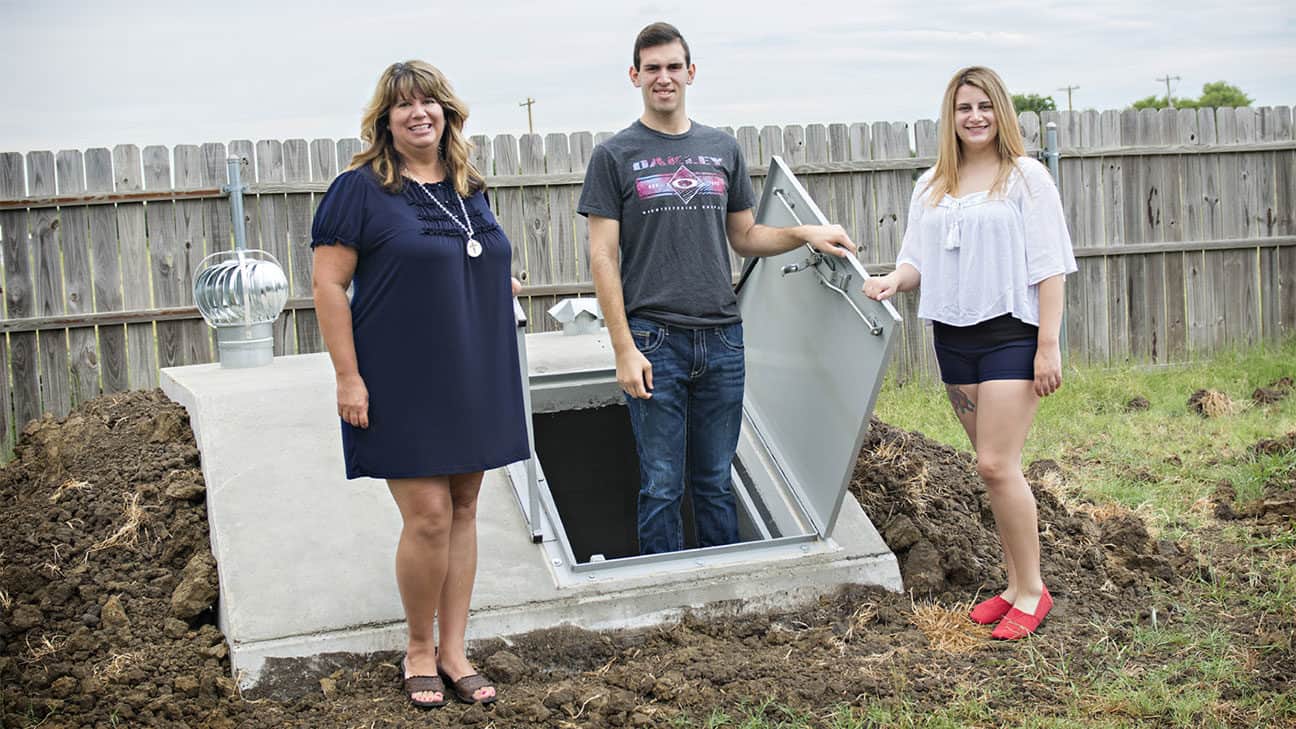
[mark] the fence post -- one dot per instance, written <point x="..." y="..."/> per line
<point x="1051" y="156"/>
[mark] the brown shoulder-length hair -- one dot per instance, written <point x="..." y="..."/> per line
<point x="949" y="152"/>
<point x="409" y="80"/>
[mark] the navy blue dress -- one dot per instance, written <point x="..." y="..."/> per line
<point x="435" y="334"/>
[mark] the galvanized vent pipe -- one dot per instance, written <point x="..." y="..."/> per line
<point x="241" y="293"/>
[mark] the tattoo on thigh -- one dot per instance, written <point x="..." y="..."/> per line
<point x="959" y="399"/>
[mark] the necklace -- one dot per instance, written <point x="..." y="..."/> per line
<point x="473" y="247"/>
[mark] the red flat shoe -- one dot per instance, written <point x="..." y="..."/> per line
<point x="1017" y="624"/>
<point x="989" y="611"/>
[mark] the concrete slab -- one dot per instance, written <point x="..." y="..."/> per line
<point x="306" y="557"/>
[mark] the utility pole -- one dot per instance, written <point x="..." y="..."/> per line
<point x="1068" y="89"/>
<point x="1167" y="79"/>
<point x="528" y="104"/>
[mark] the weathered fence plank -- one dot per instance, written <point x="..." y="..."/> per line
<point x="323" y="160"/>
<point x="105" y="264"/>
<point x="819" y="185"/>
<point x="891" y="141"/>
<point x="44" y="226"/>
<point x="20" y="364"/>
<point x="1112" y="275"/>
<point x="749" y="142"/>
<point x="508" y="209"/>
<point x="1170" y="178"/>
<point x="536" y="237"/>
<point x="272" y="230"/>
<point x="347" y="149"/>
<point x="840" y="209"/>
<point x="582" y="148"/>
<point x="479" y="154"/>
<point x="178" y="237"/>
<point x="771" y="144"/>
<point x="562" y="203"/>
<point x="1154" y="288"/>
<point x="1284" y="200"/>
<point x="1246" y="218"/>
<point x="1087" y="288"/>
<point x="1032" y="130"/>
<point x="130" y="245"/>
<point x="298" y="210"/>
<point x="78" y="286"/>
<point x="863" y="195"/>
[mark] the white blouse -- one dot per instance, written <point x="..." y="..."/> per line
<point x="981" y="256"/>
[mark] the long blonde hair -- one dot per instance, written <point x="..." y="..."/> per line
<point x="950" y="153"/>
<point x="409" y="80"/>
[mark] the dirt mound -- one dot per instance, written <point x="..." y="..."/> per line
<point x="1138" y="403"/>
<point x="1210" y="403"/>
<point x="107" y="584"/>
<point x="107" y="578"/>
<point x="1275" y="391"/>
<point x="933" y="511"/>
<point x="1274" y="446"/>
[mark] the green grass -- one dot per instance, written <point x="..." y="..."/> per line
<point x="1165" y="462"/>
<point x="1161" y="461"/>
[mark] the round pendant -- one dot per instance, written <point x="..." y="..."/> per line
<point x="474" y="248"/>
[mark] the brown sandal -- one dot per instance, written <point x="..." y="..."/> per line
<point x="466" y="688"/>
<point x="420" y="684"/>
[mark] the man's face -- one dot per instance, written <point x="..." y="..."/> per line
<point x="662" y="76"/>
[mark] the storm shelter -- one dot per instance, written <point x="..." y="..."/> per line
<point x="816" y="350"/>
<point x="305" y="555"/>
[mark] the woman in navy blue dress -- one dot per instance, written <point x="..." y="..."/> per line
<point x="425" y="352"/>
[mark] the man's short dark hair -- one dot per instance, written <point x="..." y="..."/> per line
<point x="660" y="34"/>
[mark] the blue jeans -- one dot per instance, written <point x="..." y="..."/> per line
<point x="690" y="424"/>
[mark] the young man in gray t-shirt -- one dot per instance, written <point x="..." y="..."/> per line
<point x="663" y="197"/>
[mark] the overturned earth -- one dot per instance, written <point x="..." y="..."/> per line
<point x="108" y="590"/>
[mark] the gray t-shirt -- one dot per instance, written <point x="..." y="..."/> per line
<point x="671" y="194"/>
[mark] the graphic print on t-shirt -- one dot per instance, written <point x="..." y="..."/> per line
<point x="681" y="181"/>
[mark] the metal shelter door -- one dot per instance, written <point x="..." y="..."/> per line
<point x="816" y="348"/>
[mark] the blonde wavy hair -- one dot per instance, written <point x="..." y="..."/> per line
<point x="949" y="152"/>
<point x="408" y="80"/>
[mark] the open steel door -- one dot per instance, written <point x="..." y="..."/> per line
<point x="817" y="349"/>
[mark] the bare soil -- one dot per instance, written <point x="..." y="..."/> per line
<point x="107" y="591"/>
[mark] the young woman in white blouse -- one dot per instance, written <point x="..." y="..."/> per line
<point x="988" y="242"/>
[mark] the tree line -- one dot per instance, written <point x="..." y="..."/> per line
<point x="1215" y="94"/>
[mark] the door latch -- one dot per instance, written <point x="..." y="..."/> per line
<point x="808" y="263"/>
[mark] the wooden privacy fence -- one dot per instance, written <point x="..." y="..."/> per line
<point x="1182" y="222"/>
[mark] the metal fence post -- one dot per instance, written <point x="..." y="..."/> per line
<point x="1051" y="155"/>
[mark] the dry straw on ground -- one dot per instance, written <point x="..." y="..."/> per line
<point x="44" y="648"/>
<point x="116" y="665"/>
<point x="66" y="486"/>
<point x="948" y="629"/>
<point x="1211" y="404"/>
<point x="128" y="533"/>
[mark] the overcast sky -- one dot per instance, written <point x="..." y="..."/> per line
<point x="81" y="74"/>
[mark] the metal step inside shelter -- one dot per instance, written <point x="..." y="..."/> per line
<point x="816" y="351"/>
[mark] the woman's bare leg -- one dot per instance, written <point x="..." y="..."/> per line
<point x="421" y="559"/>
<point x="1005" y="410"/>
<point x="456" y="597"/>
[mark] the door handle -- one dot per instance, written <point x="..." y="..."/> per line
<point x="816" y="258"/>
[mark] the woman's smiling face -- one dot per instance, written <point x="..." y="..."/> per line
<point x="974" y="118"/>
<point x="416" y="123"/>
